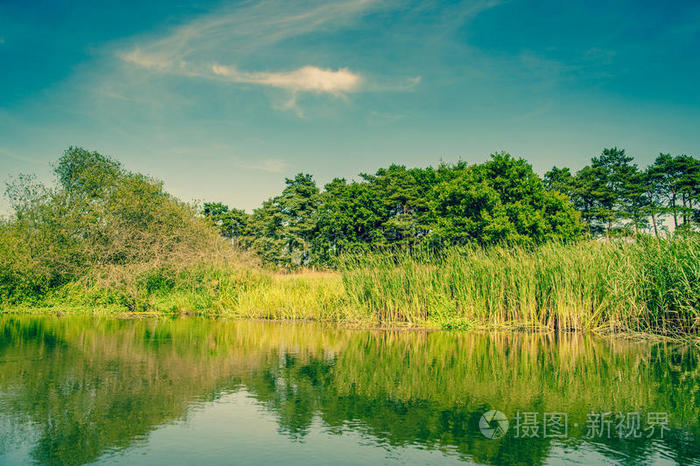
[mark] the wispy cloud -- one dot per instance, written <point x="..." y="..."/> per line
<point x="308" y="78"/>
<point x="215" y="46"/>
<point x="382" y="118"/>
<point x="145" y="60"/>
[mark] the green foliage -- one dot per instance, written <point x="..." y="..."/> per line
<point x="613" y="193"/>
<point x="677" y="179"/>
<point x="559" y="179"/>
<point x="500" y="201"/>
<point x="98" y="215"/>
<point x="90" y="174"/>
<point x="649" y="285"/>
<point x="282" y="230"/>
<point x="231" y="223"/>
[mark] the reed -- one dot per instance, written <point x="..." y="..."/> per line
<point x="643" y="285"/>
<point x="647" y="285"/>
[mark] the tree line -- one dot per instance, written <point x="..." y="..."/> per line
<point x="500" y="201"/>
<point x="614" y="194"/>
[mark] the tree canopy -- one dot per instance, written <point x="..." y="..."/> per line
<point x="615" y="196"/>
<point x="500" y="201"/>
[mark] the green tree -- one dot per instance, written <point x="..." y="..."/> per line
<point x="609" y="190"/>
<point x="559" y="179"/>
<point x="590" y="200"/>
<point x="619" y="175"/>
<point x="664" y="171"/>
<point x="283" y="228"/>
<point x="502" y="200"/>
<point x="231" y="223"/>
<point x="636" y="203"/>
<point x="654" y="203"/>
<point x="90" y="174"/>
<point x="350" y="217"/>
<point x="688" y="186"/>
<point x="402" y="193"/>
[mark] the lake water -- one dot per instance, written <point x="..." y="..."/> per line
<point x="77" y="390"/>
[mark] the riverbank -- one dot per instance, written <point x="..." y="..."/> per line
<point x="514" y="328"/>
<point x="108" y="240"/>
<point x="647" y="287"/>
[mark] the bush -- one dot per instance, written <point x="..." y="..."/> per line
<point x="97" y="216"/>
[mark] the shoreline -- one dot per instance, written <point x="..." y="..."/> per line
<point x="366" y="325"/>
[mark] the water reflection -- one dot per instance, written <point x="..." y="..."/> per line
<point x="75" y="390"/>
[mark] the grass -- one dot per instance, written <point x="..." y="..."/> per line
<point x="608" y="286"/>
<point x="647" y="285"/>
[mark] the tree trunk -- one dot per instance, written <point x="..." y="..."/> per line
<point x="673" y="207"/>
<point x="690" y="208"/>
<point x="653" y="222"/>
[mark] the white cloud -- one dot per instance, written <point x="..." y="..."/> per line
<point x="197" y="49"/>
<point x="241" y="31"/>
<point x="308" y="79"/>
<point x="146" y="60"/>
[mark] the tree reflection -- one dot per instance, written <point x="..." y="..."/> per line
<point x="89" y="386"/>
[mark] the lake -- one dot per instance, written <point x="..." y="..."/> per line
<point x="79" y="389"/>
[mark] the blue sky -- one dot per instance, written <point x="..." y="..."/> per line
<point x="222" y="100"/>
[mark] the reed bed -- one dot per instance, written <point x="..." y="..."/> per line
<point x="643" y="285"/>
<point x="647" y="285"/>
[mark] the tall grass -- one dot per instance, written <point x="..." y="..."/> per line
<point x="225" y="287"/>
<point x="645" y="285"/>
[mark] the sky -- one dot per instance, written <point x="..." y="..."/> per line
<point x="223" y="100"/>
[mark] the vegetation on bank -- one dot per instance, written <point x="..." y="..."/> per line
<point x="502" y="201"/>
<point x="107" y="238"/>
<point x="646" y="285"/>
<point x="99" y="221"/>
